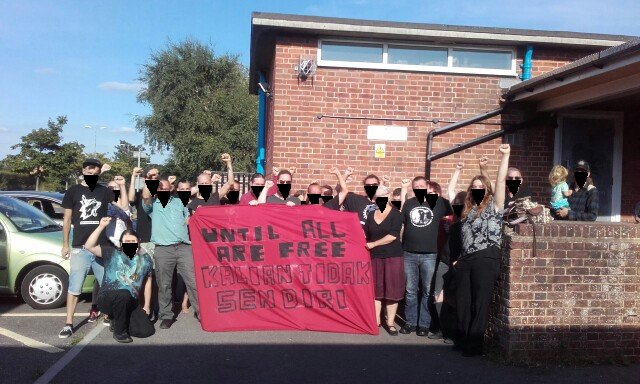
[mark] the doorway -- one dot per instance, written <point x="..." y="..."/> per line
<point x="597" y="138"/>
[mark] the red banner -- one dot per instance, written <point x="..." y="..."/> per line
<point x="280" y="268"/>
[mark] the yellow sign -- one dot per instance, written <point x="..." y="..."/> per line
<point x="380" y="151"/>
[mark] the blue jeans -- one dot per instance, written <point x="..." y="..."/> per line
<point x="81" y="261"/>
<point x="419" y="269"/>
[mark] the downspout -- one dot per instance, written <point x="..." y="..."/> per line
<point x="440" y="131"/>
<point x="526" y="63"/>
<point x="262" y="115"/>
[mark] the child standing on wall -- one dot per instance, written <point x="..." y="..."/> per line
<point x="560" y="189"/>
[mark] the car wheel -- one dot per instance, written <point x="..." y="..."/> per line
<point x="45" y="287"/>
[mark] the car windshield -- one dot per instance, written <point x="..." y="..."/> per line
<point x="25" y="217"/>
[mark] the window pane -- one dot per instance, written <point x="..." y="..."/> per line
<point x="481" y="59"/>
<point x="417" y="56"/>
<point x="362" y="53"/>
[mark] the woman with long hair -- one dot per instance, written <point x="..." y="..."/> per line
<point x="478" y="267"/>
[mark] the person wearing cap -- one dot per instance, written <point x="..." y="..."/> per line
<point x="84" y="205"/>
<point x="584" y="202"/>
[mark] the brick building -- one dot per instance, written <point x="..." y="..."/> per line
<point x="332" y="90"/>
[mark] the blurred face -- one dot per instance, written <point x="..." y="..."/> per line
<point x="258" y="181"/>
<point x="152" y="174"/>
<point x="235" y="187"/>
<point x="184" y="186"/>
<point x="477" y="184"/>
<point x="284" y="179"/>
<point x="420" y="184"/>
<point x="314" y="190"/>
<point x="164" y="185"/>
<point x="514" y="175"/>
<point x="326" y="192"/>
<point x="204" y="179"/>
<point x="129" y="239"/>
<point x="371" y="181"/>
<point x="91" y="170"/>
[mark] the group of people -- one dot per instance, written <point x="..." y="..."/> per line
<point x="424" y="243"/>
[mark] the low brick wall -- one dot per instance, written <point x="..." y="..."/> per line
<point x="577" y="298"/>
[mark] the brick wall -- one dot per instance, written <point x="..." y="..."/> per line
<point x="577" y="298"/>
<point x="297" y="138"/>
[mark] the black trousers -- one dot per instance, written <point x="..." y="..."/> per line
<point x="118" y="305"/>
<point x="475" y="275"/>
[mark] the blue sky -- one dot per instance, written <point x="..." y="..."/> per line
<point x="82" y="58"/>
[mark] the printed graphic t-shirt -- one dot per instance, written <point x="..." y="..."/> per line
<point x="360" y="205"/>
<point x="88" y="208"/>
<point x="120" y="272"/>
<point x="421" y="224"/>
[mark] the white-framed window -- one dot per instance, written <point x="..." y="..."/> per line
<point x="402" y="56"/>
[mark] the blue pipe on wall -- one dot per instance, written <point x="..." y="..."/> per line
<point x="526" y="64"/>
<point x="262" y="115"/>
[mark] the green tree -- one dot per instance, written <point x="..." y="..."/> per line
<point x="200" y="108"/>
<point x="43" y="156"/>
<point x="124" y="161"/>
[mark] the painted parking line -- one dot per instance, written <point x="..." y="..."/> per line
<point x="42" y="315"/>
<point x="30" y="342"/>
<point x="69" y="356"/>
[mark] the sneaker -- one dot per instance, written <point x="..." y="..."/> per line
<point x="94" y="314"/>
<point x="434" y="335"/>
<point x="106" y="321"/>
<point x="122" y="337"/>
<point x="407" y="329"/>
<point x="66" y="331"/>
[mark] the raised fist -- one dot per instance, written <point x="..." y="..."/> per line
<point x="406" y="183"/>
<point x="105" y="168"/>
<point x="504" y="149"/>
<point x="348" y="172"/>
<point x="268" y="184"/>
<point x="483" y="161"/>
<point x="105" y="221"/>
<point x="334" y="171"/>
<point x="137" y="171"/>
<point x="119" y="180"/>
<point x="225" y="158"/>
<point x="460" y="165"/>
<point x="275" y="171"/>
<point x="207" y="172"/>
<point x="215" y="178"/>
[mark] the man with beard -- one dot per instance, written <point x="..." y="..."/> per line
<point x="205" y="195"/>
<point x="172" y="247"/>
<point x="84" y="205"/>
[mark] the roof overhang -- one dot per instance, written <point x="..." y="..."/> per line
<point x="264" y="27"/>
<point x="605" y="75"/>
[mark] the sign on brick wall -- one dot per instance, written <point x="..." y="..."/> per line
<point x="387" y="133"/>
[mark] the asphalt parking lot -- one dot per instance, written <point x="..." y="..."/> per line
<point x="32" y="352"/>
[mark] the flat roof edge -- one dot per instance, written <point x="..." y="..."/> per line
<point x="504" y="35"/>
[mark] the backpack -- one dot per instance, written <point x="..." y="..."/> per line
<point x="524" y="210"/>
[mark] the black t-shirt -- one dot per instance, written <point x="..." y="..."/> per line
<point x="196" y="202"/>
<point x="523" y="191"/>
<point x="421" y="224"/>
<point x="88" y="208"/>
<point x="333" y="204"/>
<point x="360" y="205"/>
<point x="143" y="222"/>
<point x="392" y="225"/>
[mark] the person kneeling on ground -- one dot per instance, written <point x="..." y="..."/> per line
<point x="124" y="272"/>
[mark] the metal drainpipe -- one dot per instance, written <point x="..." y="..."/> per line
<point x="262" y="115"/>
<point x="463" y="123"/>
<point x="526" y="64"/>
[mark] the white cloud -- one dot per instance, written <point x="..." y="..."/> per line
<point x="135" y="86"/>
<point x="45" y="71"/>
<point x="124" y="130"/>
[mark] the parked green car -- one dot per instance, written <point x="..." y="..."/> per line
<point x="30" y="261"/>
